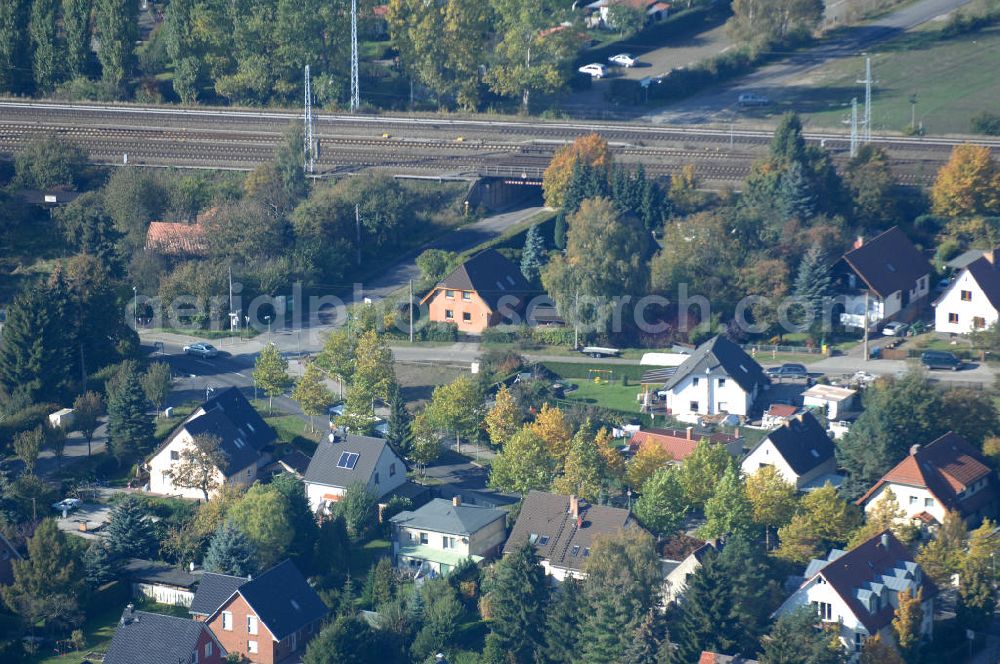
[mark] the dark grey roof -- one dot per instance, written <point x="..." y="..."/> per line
<point x="228" y="415"/>
<point x="489" y="274"/>
<point x="213" y="590"/>
<point x="888" y="262"/>
<point x="802" y="442"/>
<point x="987" y="276"/>
<point x="283" y="600"/>
<point x="142" y="638"/>
<point x="721" y="352"/>
<point x="442" y="516"/>
<point x="323" y="467"/>
<point x="153" y="571"/>
<point x="546" y="522"/>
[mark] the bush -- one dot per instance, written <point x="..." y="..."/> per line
<point x="435" y="331"/>
<point x="547" y="336"/>
<point x="986" y="123"/>
<point x="25" y="419"/>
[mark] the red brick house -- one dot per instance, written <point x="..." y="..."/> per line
<point x="267" y="619"/>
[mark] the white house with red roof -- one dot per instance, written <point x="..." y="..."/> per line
<point x="945" y="475"/>
<point x="972" y="301"/>
<point x="857" y="591"/>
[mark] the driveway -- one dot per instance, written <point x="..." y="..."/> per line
<point x="76" y="448"/>
<point x="85" y="520"/>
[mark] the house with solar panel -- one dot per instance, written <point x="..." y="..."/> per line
<point x="350" y="459"/>
<point x="856" y="592"/>
<point x="245" y="440"/>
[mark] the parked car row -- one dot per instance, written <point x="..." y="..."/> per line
<point x="597" y="70"/>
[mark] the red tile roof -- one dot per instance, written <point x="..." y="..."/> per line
<point x="781" y="410"/>
<point x="945" y="467"/>
<point x="176" y="239"/>
<point x="675" y="441"/>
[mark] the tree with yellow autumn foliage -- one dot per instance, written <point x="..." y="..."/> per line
<point x="551" y="426"/>
<point x="968" y="185"/>
<point x="647" y="460"/>
<point x="591" y="149"/>
<point x="504" y="419"/>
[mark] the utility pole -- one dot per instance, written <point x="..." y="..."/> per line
<point x="866" y="325"/>
<point x="308" y="122"/>
<point x="854" y="127"/>
<point x="576" y="319"/>
<point x="913" y="112"/>
<point x="355" y="92"/>
<point x="411" y="311"/>
<point x="868" y="99"/>
<point x="357" y="229"/>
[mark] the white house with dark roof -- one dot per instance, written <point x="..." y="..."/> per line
<point x="718" y="377"/>
<point x="856" y="592"/>
<point x="351" y="460"/>
<point x="439" y="535"/>
<point x="563" y="528"/>
<point x="972" y="300"/>
<point x="800" y="450"/>
<point x="888" y="274"/>
<point x="244" y="439"/>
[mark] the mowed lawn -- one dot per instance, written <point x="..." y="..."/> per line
<point x="954" y="79"/>
<point x="614" y="396"/>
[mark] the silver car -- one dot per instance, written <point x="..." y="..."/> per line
<point x="201" y="350"/>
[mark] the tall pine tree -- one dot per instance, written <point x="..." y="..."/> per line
<point x="813" y="283"/>
<point x="563" y="623"/>
<point x="231" y="552"/>
<point x="130" y="428"/>
<point x="399" y="434"/>
<point x="533" y="255"/>
<point x="129" y="531"/>
<point x="795" y="193"/>
<point x="518" y="594"/>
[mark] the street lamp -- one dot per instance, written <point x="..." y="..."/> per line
<point x="268" y="319"/>
<point x="135" y="308"/>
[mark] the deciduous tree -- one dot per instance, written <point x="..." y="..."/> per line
<point x="311" y="394"/>
<point x="47" y="49"/>
<point x="15" y="48"/>
<point x="523" y="464"/>
<point x="504" y="419"/>
<point x="117" y="27"/>
<point x="27" y="446"/>
<point x="262" y="514"/>
<point x="825" y="519"/>
<point x="728" y="512"/>
<point x="941" y="557"/>
<point x="885" y="515"/>
<point x="650" y="458"/>
<point x="201" y="465"/>
<point x="968" y="184"/>
<point x="976" y="594"/>
<point x="76" y="26"/>
<point x="907" y="619"/>
<point x="590" y="150"/>
<point x="773" y="499"/>
<point x="584" y="473"/>
<point x="662" y="508"/>
<point x="457" y="407"/>
<point x="373" y="373"/>
<point x="702" y="470"/>
<point x="270" y="373"/>
<point x="156" y="384"/>
<point x="551" y="426"/>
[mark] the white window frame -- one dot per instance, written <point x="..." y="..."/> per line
<point x="252" y="627"/>
<point x="252" y="647"/>
<point x="227" y="621"/>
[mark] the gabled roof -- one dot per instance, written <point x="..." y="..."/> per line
<point x="154" y="571"/>
<point x="888" y="262"/>
<point x="490" y="275"/>
<point x="988" y="277"/>
<point x="679" y="444"/>
<point x="560" y="538"/>
<point x="176" y="239"/>
<point x="213" y="591"/>
<point x="781" y="410"/>
<point x="144" y="637"/>
<point x="240" y="428"/>
<point x="443" y="516"/>
<point x="945" y="467"/>
<point x="326" y="468"/>
<point x="802" y="442"/>
<point x="720" y="352"/>
<point x="283" y="600"/>
<point x="881" y="561"/>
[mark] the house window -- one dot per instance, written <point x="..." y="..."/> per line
<point x="978" y="322"/>
<point x="227" y="621"/>
<point x="450" y="294"/>
<point x="466" y="317"/>
<point x="423" y="538"/>
<point x="824" y="610"/>
<point x="693" y="406"/>
<point x="952" y="318"/>
<point x="695" y="381"/>
<point x="913" y="500"/>
<point x="966" y="296"/>
<point x="858" y="641"/>
<point x="392" y="470"/>
<point x="928" y="502"/>
<point x="449" y="314"/>
<point x="175" y="455"/>
<point x="722" y="382"/>
<point x="447" y="542"/>
<point x="467" y="296"/>
<point x="208" y="649"/>
<point x="376" y="478"/>
<point x="252" y="647"/>
<point x="252" y="624"/>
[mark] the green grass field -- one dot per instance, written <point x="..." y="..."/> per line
<point x="954" y="79"/>
<point x="614" y="396"/>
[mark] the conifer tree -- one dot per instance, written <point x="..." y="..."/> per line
<point x="99" y="566"/>
<point x="130" y="428"/>
<point x="48" y="581"/>
<point x="129" y="530"/>
<point x="399" y="434"/>
<point x="231" y="552"/>
<point x="300" y="516"/>
<point x="795" y="195"/>
<point x="559" y="236"/>
<point x="533" y="255"/>
<point x="794" y="639"/>
<point x="788" y="144"/>
<point x="33" y="356"/>
<point x="518" y="596"/>
<point x="647" y="641"/>
<point x="813" y="283"/>
<point x="563" y="623"/>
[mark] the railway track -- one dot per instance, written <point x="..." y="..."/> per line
<point x="241" y="139"/>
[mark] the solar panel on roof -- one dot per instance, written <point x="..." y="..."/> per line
<point x="342" y="462"/>
<point x="352" y="460"/>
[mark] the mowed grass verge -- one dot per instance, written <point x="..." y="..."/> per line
<point x="954" y="79"/>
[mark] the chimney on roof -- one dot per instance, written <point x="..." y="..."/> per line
<point x="456" y="500"/>
<point x="690" y="432"/>
<point x="736" y="432"/>
<point x="859" y="242"/>
<point x="885" y="541"/>
<point x="574" y="507"/>
<point x="993" y="256"/>
<point x="914" y="449"/>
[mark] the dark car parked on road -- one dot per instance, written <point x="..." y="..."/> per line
<point x="940" y="359"/>
<point x="789" y="370"/>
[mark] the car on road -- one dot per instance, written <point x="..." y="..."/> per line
<point x="895" y="329"/>
<point x="336" y="410"/>
<point x="788" y="370"/>
<point x="940" y="359"/>
<point x="201" y="350"/>
<point x="67" y="504"/>
<point x="623" y="60"/>
<point x="594" y="69"/>
<point x="752" y="99"/>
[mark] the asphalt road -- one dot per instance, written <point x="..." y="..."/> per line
<point x="719" y="103"/>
